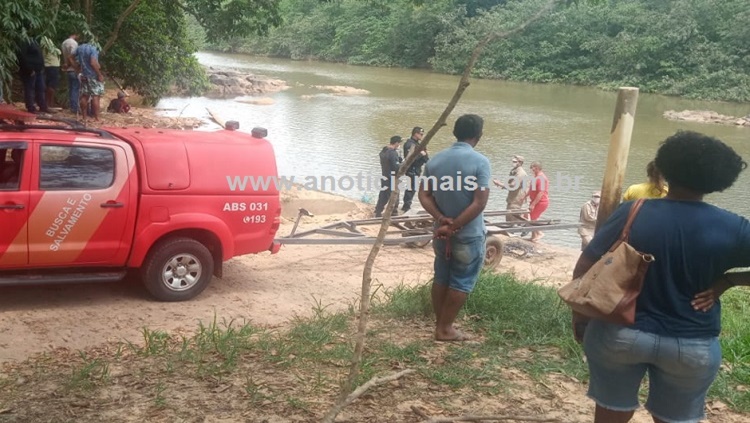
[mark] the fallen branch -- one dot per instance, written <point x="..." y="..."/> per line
<point x="216" y="118"/>
<point x="492" y="418"/>
<point x="361" y="390"/>
<point x="419" y="412"/>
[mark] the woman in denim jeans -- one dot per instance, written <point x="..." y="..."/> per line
<point x="678" y="315"/>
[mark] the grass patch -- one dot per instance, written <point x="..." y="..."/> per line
<point x="404" y="302"/>
<point x="732" y="385"/>
<point x="90" y="373"/>
<point x="526" y="325"/>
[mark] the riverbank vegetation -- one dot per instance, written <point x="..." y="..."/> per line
<point x="693" y="48"/>
<point x="524" y="361"/>
<point x="147" y="45"/>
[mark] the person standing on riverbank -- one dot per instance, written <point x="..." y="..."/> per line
<point x="654" y="188"/>
<point x="92" y="80"/>
<point x="538" y="197"/>
<point x="68" y="66"/>
<point x="515" y="186"/>
<point x="587" y="219"/>
<point x="389" y="164"/>
<point x="416" y="167"/>
<point x="675" y="337"/>
<point x="51" y="73"/>
<point x="31" y="72"/>
<point x="460" y="232"/>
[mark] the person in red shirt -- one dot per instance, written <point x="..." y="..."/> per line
<point x="538" y="194"/>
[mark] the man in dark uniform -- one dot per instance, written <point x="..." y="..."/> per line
<point x="31" y="71"/>
<point x="389" y="164"/>
<point x="416" y="167"/>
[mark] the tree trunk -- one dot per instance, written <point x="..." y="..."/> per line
<point x="116" y="31"/>
<point x="88" y="10"/>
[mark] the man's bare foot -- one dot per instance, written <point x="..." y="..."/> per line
<point x="457" y="336"/>
<point x="536" y="238"/>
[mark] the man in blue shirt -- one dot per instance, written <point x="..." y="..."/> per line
<point x="454" y="190"/>
<point x="92" y="80"/>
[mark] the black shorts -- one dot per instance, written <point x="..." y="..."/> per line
<point x="52" y="76"/>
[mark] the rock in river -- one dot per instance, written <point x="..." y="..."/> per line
<point x="705" y="116"/>
<point x="227" y="83"/>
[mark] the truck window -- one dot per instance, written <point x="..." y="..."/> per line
<point x="75" y="168"/>
<point x="11" y="160"/>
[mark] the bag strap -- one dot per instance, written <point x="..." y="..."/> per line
<point x="625" y="235"/>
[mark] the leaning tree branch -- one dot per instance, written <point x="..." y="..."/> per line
<point x="120" y="20"/>
<point x="364" y="309"/>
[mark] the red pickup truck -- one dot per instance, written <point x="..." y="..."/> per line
<point x="80" y="204"/>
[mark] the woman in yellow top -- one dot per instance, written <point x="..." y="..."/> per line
<point x="654" y="188"/>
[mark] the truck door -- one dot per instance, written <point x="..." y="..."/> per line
<point x="82" y="198"/>
<point x="14" y="203"/>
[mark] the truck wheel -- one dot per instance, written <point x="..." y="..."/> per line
<point x="493" y="253"/>
<point x="177" y="269"/>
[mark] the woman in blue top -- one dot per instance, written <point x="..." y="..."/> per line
<point x="678" y="316"/>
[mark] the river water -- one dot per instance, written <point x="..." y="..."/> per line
<point x="566" y="128"/>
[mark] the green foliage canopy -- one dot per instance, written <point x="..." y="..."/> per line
<point x="153" y="43"/>
<point x="692" y="48"/>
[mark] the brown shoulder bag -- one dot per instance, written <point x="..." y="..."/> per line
<point x="609" y="289"/>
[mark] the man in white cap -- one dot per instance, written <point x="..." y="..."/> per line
<point x="515" y="186"/>
<point x="588" y="219"/>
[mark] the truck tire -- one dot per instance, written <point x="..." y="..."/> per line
<point x="177" y="269"/>
<point x="493" y="253"/>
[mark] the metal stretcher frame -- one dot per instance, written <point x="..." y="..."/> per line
<point x="408" y="229"/>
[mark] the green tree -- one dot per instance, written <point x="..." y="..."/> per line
<point x="148" y="44"/>
<point x="691" y="48"/>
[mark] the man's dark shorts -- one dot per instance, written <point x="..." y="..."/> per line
<point x="52" y="77"/>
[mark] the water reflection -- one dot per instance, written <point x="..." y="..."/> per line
<point x="74" y="168"/>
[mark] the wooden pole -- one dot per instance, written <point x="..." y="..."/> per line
<point x="619" y="147"/>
